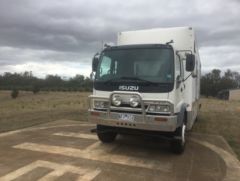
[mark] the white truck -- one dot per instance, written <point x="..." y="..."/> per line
<point x="148" y="84"/>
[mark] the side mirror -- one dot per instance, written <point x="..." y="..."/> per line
<point x="190" y="62"/>
<point x="95" y="62"/>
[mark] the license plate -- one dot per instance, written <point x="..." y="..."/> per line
<point x="126" y="117"/>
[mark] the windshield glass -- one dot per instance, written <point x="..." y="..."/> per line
<point x="150" y="64"/>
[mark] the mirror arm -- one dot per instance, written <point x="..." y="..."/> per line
<point x="194" y="75"/>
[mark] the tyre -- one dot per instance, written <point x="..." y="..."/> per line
<point x="105" y="134"/>
<point x="179" y="142"/>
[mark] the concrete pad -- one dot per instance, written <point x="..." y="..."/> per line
<point x="66" y="150"/>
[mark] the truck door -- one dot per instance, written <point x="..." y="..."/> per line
<point x="179" y="75"/>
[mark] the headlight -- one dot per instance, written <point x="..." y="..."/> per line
<point x="152" y="108"/>
<point x="116" y="100"/>
<point x="134" y="101"/>
<point x="162" y="108"/>
<point x="158" y="108"/>
<point x="100" y="104"/>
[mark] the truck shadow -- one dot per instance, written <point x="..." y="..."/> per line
<point x="143" y="144"/>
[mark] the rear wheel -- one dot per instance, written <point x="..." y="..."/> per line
<point x="105" y="134"/>
<point x="179" y="141"/>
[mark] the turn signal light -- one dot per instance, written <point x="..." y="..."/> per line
<point x="95" y="113"/>
<point x="160" y="119"/>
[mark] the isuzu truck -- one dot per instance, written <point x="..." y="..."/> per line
<point x="149" y="83"/>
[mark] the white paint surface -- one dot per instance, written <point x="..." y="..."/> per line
<point x="98" y="152"/>
<point x="77" y="135"/>
<point x="58" y="171"/>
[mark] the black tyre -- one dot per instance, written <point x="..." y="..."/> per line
<point x="105" y="134"/>
<point x="179" y="142"/>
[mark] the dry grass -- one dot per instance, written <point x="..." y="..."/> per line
<point x="29" y="109"/>
<point x="222" y="118"/>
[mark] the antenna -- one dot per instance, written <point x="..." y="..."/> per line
<point x="106" y="45"/>
<point x="102" y="44"/>
<point x="171" y="41"/>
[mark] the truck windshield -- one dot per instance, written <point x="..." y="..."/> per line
<point x="146" y="64"/>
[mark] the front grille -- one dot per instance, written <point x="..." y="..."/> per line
<point x="128" y="106"/>
<point x="123" y="111"/>
<point x="157" y="114"/>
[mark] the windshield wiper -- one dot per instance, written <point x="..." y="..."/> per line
<point x="130" y="78"/>
<point x="112" y="80"/>
<point x="138" y="79"/>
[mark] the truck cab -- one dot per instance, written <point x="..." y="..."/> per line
<point x="149" y="83"/>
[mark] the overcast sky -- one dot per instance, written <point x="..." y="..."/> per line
<point x="61" y="36"/>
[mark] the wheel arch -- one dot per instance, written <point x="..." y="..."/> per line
<point x="182" y="116"/>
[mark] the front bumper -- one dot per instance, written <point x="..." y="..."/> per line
<point x="141" y="122"/>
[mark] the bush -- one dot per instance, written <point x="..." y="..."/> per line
<point x="14" y="93"/>
<point x="35" y="89"/>
<point x="87" y="89"/>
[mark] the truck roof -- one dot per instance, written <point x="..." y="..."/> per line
<point x="183" y="37"/>
<point x="136" y="46"/>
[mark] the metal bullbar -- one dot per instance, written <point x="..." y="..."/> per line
<point x="164" y="122"/>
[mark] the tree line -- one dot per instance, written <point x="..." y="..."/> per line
<point x="211" y="83"/>
<point x="215" y="81"/>
<point x="26" y="81"/>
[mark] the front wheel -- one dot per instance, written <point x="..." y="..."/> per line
<point x="105" y="134"/>
<point x="179" y="142"/>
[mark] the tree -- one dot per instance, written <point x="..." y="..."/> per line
<point x="35" y="89"/>
<point x="213" y="82"/>
<point x="77" y="81"/>
<point x="210" y="83"/>
<point x="14" y="93"/>
<point x="26" y="81"/>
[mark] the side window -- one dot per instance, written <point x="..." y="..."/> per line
<point x="105" y="66"/>
<point x="178" y="66"/>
